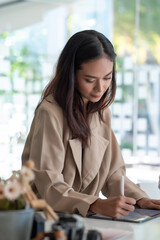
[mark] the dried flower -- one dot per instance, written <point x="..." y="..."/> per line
<point x="27" y="174"/>
<point x="12" y="190"/>
<point x="30" y="164"/>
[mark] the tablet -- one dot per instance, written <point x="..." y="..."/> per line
<point x="139" y="215"/>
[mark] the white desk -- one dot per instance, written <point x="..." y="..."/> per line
<point x="149" y="230"/>
<point x="139" y="231"/>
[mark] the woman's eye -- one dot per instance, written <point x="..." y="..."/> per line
<point x="107" y="79"/>
<point x="89" y="81"/>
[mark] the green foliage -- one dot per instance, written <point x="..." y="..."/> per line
<point x="126" y="145"/>
<point x="149" y="18"/>
<point x="17" y="204"/>
<point x="125" y="13"/>
<point x="119" y="64"/>
<point x="3" y="35"/>
<point x="124" y="17"/>
<point x="147" y="35"/>
<point x="142" y="106"/>
<point x="26" y="63"/>
<point x="23" y="62"/>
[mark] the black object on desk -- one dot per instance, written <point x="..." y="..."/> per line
<point x="73" y="226"/>
<point x="38" y="225"/>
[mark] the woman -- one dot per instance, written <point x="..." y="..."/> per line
<point x="75" y="152"/>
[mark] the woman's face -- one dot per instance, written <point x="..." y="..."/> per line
<point x="94" y="78"/>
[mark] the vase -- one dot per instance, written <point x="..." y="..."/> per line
<point x="16" y="224"/>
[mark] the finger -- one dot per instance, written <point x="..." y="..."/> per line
<point x="127" y="207"/>
<point x="129" y="200"/>
<point x="150" y="204"/>
<point x="157" y="206"/>
<point x="156" y="201"/>
<point x="123" y="212"/>
<point x="153" y="205"/>
<point x="125" y="203"/>
<point x="120" y="212"/>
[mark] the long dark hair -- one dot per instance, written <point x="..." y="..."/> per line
<point x="81" y="47"/>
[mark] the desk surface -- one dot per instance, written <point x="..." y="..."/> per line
<point x="149" y="230"/>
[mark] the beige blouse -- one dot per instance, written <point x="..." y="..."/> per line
<point x="60" y="178"/>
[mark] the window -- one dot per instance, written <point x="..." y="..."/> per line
<point x="136" y="110"/>
<point x="28" y="55"/>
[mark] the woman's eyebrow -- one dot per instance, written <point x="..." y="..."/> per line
<point x="90" y="76"/>
<point x="108" y="74"/>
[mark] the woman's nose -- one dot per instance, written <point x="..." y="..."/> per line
<point x="99" y="86"/>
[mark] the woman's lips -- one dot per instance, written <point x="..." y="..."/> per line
<point x="96" y="96"/>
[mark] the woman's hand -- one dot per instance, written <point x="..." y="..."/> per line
<point x="149" y="203"/>
<point x="115" y="207"/>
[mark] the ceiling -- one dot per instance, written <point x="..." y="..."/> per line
<point x="16" y="14"/>
<point x="6" y="3"/>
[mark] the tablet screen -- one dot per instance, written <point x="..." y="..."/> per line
<point x="139" y="215"/>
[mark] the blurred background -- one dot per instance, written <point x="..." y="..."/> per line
<point x="32" y="34"/>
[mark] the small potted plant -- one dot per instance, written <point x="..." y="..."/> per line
<point x="17" y="205"/>
<point x="16" y="217"/>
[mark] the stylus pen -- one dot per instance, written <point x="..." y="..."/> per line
<point x="122" y="185"/>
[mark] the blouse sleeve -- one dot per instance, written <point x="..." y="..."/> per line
<point x="117" y="169"/>
<point x="45" y="147"/>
